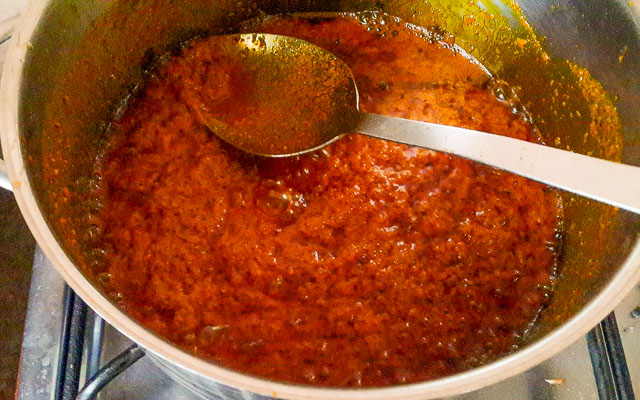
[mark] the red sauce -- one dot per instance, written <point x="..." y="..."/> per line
<point x="367" y="263"/>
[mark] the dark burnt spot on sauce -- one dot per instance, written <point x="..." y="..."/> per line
<point x="316" y="20"/>
<point x="367" y="263"/>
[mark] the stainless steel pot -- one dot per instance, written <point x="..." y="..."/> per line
<point x="71" y="63"/>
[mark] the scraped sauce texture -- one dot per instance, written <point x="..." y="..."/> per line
<point x="368" y="263"/>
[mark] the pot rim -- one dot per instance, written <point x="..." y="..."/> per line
<point x="549" y="345"/>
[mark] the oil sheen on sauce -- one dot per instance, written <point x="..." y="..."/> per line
<point x="367" y="263"/>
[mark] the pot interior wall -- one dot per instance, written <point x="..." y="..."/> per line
<point x="86" y="56"/>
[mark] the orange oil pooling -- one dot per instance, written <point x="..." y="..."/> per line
<point x="367" y="263"/>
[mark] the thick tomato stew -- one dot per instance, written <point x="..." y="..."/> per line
<point x="367" y="263"/>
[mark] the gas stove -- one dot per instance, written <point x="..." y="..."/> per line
<point x="66" y="344"/>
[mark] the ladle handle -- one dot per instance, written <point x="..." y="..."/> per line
<point x="605" y="181"/>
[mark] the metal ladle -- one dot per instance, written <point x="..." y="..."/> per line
<point x="297" y="98"/>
